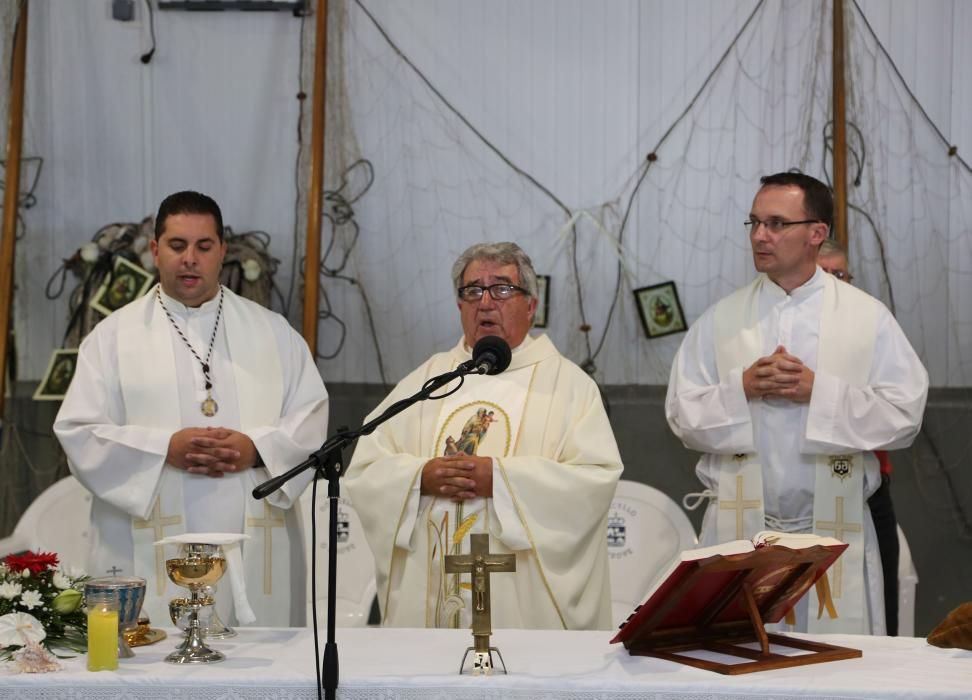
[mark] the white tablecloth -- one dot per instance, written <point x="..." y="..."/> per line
<point x="398" y="663"/>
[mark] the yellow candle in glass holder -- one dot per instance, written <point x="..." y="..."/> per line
<point x="102" y="639"/>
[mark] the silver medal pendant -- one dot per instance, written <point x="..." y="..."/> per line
<point x="209" y="407"/>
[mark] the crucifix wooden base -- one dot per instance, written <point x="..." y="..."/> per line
<point x="480" y="563"/>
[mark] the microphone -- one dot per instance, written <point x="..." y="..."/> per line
<point x="491" y="355"/>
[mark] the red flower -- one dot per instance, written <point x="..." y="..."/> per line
<point x="35" y="563"/>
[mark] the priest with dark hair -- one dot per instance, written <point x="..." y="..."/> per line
<point x="183" y="400"/>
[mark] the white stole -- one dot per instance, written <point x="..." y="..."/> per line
<point x="483" y="418"/>
<point x="846" y="342"/>
<point x="147" y="370"/>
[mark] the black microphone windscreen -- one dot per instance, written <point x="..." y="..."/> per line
<point x="494" y="351"/>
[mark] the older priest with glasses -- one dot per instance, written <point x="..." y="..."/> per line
<point x="787" y="385"/>
<point x="182" y="402"/>
<point x="526" y="456"/>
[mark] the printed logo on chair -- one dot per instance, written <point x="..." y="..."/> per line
<point x="348" y="526"/>
<point x="617" y="530"/>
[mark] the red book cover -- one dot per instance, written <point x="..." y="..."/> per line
<point x="703" y="590"/>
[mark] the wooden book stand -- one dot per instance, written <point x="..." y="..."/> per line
<point x="721" y="603"/>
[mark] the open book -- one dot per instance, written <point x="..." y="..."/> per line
<point x="791" y="540"/>
<point x="720" y="597"/>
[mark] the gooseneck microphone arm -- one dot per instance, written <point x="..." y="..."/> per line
<point x="490" y="356"/>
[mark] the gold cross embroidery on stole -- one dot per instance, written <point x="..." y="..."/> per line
<point x="838" y="527"/>
<point x="157" y="522"/>
<point x="739" y="505"/>
<point x="268" y="522"/>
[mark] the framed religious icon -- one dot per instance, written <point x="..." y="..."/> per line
<point x="57" y="378"/>
<point x="543" y="301"/>
<point x="660" y="310"/>
<point x="127" y="283"/>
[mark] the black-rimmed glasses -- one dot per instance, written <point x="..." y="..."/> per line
<point x="775" y="225"/>
<point x="499" y="292"/>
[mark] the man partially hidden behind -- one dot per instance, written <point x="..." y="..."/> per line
<point x="787" y="385"/>
<point x="182" y="401"/>
<point x="526" y="456"/>
<point x="832" y="258"/>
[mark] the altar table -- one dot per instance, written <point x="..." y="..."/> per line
<point x="414" y="664"/>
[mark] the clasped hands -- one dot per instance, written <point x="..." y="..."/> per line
<point x="211" y="451"/>
<point x="779" y="376"/>
<point x="458" y="477"/>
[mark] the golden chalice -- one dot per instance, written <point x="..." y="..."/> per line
<point x="198" y="566"/>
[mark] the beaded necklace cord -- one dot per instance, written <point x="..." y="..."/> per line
<point x="209" y="407"/>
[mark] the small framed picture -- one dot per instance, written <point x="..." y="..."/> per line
<point x="660" y="310"/>
<point x="57" y="378"/>
<point x="543" y="301"/>
<point x="127" y="283"/>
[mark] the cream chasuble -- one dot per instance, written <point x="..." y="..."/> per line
<point x="846" y="345"/>
<point x="146" y="369"/>
<point x="556" y="466"/>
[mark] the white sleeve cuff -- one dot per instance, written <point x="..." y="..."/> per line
<point x="822" y="410"/>
<point x="507" y="526"/>
<point x="735" y="395"/>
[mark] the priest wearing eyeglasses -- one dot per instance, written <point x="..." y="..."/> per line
<point x="527" y="456"/>
<point x="184" y="400"/>
<point x="787" y="386"/>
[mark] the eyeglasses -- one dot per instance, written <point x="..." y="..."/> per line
<point x="499" y="292"/>
<point x="774" y="225"/>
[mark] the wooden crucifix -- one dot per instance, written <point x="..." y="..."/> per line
<point x="480" y="563"/>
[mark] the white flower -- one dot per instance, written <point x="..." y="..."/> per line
<point x="140" y="244"/>
<point x="10" y="590"/>
<point x="148" y="262"/>
<point x="31" y="599"/>
<point x="251" y="270"/>
<point x="19" y="628"/>
<point x="75" y="572"/>
<point x="89" y="252"/>
<point x="60" y="580"/>
<point x="25" y="573"/>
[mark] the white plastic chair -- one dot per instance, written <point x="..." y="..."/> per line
<point x="59" y="521"/>
<point x="646" y="531"/>
<point x="907" y="583"/>
<point x="355" y="564"/>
